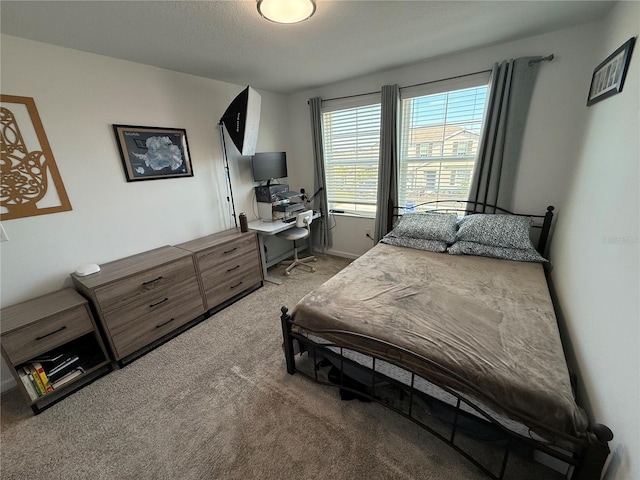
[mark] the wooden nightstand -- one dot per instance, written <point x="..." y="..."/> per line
<point x="51" y="330"/>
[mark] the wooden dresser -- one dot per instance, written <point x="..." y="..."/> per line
<point x="143" y="298"/>
<point x="228" y="264"/>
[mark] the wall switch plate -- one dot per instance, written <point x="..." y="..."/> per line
<point x="3" y="235"/>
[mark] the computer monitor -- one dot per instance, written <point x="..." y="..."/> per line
<point x="268" y="166"/>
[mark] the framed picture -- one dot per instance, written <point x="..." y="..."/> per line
<point x="150" y="153"/>
<point x="608" y="77"/>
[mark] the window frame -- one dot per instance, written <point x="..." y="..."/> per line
<point x="445" y="160"/>
<point x="350" y="205"/>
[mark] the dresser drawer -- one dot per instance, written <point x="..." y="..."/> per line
<point x="237" y="250"/>
<point x="27" y="342"/>
<point x="155" y="304"/>
<point x="144" y="327"/>
<point x="218" y="291"/>
<point x="142" y="284"/>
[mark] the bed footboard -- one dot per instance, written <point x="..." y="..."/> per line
<point x="587" y="463"/>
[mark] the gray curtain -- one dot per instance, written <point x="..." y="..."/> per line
<point x="495" y="172"/>
<point x="387" y="166"/>
<point x="323" y="235"/>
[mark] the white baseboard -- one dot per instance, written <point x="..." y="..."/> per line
<point x="337" y="253"/>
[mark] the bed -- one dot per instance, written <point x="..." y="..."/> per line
<point x="454" y="313"/>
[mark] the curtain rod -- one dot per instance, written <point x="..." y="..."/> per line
<point x="408" y="86"/>
<point x="548" y="58"/>
<point x="531" y="62"/>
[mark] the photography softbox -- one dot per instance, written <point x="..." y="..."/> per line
<point x="242" y="119"/>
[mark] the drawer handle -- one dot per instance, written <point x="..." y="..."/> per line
<point x="236" y="285"/>
<point x="152" y="281"/>
<point x="232" y="250"/>
<point x="158" y="303"/>
<point x="51" y="333"/>
<point x="234" y="268"/>
<point x="163" y="324"/>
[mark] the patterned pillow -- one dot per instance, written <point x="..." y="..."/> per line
<point x="509" y="231"/>
<point x="416" y="243"/>
<point x="427" y="226"/>
<point x="517" y="254"/>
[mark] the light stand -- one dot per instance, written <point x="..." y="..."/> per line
<point x="227" y="174"/>
<point x="241" y="119"/>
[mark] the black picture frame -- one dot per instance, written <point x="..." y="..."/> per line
<point x="152" y="153"/>
<point x="608" y="77"/>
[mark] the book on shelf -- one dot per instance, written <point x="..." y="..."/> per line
<point x="61" y="369"/>
<point x="36" y="379"/>
<point x="48" y="357"/>
<point x="43" y="377"/>
<point x="27" y="373"/>
<point x="28" y="385"/>
<point x="72" y="375"/>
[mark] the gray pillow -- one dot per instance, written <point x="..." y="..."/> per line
<point x="416" y="243"/>
<point x="427" y="226"/>
<point x="517" y="254"/>
<point x="496" y="230"/>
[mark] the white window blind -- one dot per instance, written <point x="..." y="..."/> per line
<point x="449" y="122"/>
<point x="351" y="150"/>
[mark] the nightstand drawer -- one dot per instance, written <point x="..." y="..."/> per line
<point x="146" y="283"/>
<point x="27" y="342"/>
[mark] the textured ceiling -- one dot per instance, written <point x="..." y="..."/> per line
<point x="229" y="41"/>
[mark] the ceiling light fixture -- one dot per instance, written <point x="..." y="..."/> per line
<point x="286" y="11"/>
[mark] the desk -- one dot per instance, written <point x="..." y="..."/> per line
<point x="271" y="228"/>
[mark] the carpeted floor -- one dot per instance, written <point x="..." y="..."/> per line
<point x="216" y="403"/>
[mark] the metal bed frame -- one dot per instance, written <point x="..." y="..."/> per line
<point x="585" y="458"/>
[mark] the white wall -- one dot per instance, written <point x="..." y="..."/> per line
<point x="596" y="253"/>
<point x="79" y="96"/>
<point x="554" y="127"/>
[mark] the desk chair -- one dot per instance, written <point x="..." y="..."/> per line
<point x="300" y="231"/>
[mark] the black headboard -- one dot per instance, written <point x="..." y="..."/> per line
<point x="542" y="222"/>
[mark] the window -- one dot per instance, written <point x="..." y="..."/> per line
<point x="430" y="177"/>
<point x="351" y="140"/>
<point x="447" y="117"/>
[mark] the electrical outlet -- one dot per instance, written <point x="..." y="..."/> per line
<point x="3" y="235"/>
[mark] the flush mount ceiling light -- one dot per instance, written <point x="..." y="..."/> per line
<point x="286" y="11"/>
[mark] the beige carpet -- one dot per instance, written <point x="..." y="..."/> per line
<point x="216" y="403"/>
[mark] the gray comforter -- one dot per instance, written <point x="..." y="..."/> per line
<point x="489" y="322"/>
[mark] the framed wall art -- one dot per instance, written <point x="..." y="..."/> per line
<point x="608" y="77"/>
<point x="30" y="182"/>
<point x="151" y="153"/>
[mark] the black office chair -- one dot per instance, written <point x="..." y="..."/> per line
<point x="300" y="231"/>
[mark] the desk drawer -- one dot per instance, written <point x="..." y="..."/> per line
<point x="25" y="343"/>
<point x="237" y="251"/>
<point x="138" y="286"/>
